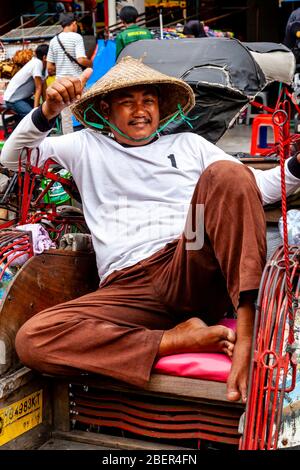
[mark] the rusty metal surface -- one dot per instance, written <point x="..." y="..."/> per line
<point x="38" y="32"/>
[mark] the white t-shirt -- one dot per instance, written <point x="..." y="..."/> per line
<point x="135" y="199"/>
<point x="21" y="86"/>
<point x="73" y="43"/>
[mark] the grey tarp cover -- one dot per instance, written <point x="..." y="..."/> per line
<point x="222" y="72"/>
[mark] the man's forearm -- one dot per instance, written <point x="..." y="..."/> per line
<point x="85" y="62"/>
<point x="269" y="181"/>
<point x="37" y="98"/>
<point x="48" y="113"/>
<point x="29" y="133"/>
<point x="245" y="316"/>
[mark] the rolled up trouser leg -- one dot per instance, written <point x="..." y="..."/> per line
<point x="115" y="331"/>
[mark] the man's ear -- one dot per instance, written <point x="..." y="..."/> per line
<point x="104" y="108"/>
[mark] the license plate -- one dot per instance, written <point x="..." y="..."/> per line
<point x="20" y="416"/>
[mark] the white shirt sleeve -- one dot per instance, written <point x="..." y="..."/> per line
<point x="268" y="181"/>
<point x="65" y="150"/>
<point x="37" y="69"/>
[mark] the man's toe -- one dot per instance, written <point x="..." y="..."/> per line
<point x="231" y="336"/>
<point x="233" y="395"/>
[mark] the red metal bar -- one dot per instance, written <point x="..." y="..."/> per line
<point x="106" y="14"/>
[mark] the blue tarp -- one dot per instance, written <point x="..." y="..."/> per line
<point x="104" y="59"/>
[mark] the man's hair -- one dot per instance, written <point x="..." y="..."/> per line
<point x="41" y="51"/>
<point x="129" y="14"/>
<point x="66" y="19"/>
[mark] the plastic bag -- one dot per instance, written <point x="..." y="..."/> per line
<point x="56" y="193"/>
<point x="293" y="221"/>
<point x="7" y="276"/>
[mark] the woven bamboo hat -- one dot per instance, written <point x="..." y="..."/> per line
<point x="131" y="72"/>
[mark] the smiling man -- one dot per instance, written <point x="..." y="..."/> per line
<point x="169" y="270"/>
<point x="135" y="110"/>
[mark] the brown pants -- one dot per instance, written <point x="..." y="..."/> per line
<point x="116" y="331"/>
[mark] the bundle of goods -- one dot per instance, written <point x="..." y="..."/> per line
<point x="6" y="65"/>
<point x="2" y="52"/>
<point x="214" y="33"/>
<point x="168" y="33"/>
<point x="22" y="56"/>
<point x="7" y="69"/>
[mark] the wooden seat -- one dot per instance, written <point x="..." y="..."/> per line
<point x="186" y="412"/>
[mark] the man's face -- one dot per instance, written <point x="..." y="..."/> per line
<point x="135" y="111"/>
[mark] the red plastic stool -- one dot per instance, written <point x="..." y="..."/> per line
<point x="260" y="125"/>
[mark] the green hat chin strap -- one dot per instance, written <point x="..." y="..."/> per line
<point x="178" y="115"/>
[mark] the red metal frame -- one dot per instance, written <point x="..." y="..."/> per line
<point x="273" y="352"/>
<point x="35" y="210"/>
<point x="13" y="245"/>
<point x="281" y="104"/>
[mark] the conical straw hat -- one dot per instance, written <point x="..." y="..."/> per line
<point x="132" y="72"/>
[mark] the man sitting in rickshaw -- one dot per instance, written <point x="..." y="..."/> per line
<point x="177" y="225"/>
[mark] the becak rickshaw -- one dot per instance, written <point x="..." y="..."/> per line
<point x="184" y="406"/>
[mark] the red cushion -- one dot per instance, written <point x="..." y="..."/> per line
<point x="206" y="366"/>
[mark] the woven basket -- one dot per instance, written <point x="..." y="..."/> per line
<point x="130" y="72"/>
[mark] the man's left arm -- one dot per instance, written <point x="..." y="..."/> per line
<point x="81" y="54"/>
<point x="33" y="128"/>
<point x="269" y="181"/>
<point x="38" y="83"/>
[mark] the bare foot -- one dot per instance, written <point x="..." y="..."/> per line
<point x="237" y="382"/>
<point x="194" y="335"/>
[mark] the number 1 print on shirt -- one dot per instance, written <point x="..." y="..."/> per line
<point x="172" y="159"/>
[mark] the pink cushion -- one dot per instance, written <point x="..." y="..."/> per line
<point x="229" y="322"/>
<point x="206" y="366"/>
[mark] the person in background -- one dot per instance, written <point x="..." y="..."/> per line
<point x="67" y="57"/>
<point x="292" y="35"/>
<point x="76" y="7"/>
<point x="194" y="29"/>
<point x="24" y="91"/>
<point x="133" y="32"/>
